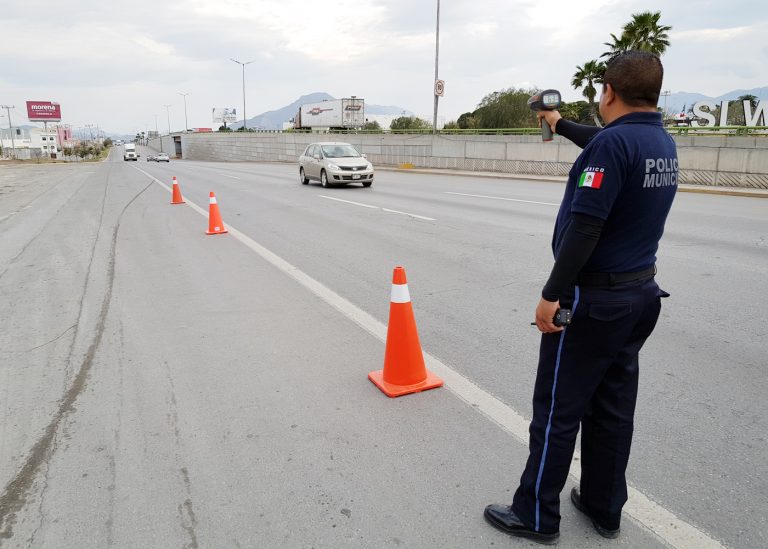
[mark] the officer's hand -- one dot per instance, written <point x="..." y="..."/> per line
<point x="545" y="316"/>
<point x="550" y="116"/>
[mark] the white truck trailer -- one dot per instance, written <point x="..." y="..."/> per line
<point x="129" y="152"/>
<point x="334" y="114"/>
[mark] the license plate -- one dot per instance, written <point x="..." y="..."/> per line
<point x="356" y="176"/>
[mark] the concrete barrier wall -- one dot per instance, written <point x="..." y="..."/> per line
<point x="704" y="160"/>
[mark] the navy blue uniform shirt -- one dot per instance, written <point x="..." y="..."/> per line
<point x="627" y="176"/>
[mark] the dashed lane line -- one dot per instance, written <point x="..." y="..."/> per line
<point x="377" y="208"/>
<point x="648" y="514"/>
<point x="503" y="198"/>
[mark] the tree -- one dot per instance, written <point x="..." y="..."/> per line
<point x="451" y="125"/>
<point x="224" y="128"/>
<point x="506" y="108"/>
<point x="467" y="121"/>
<point x="372" y="126"/>
<point x="578" y="111"/>
<point x="409" y="123"/>
<point x="736" y="110"/>
<point x="586" y="77"/>
<point x="642" y="33"/>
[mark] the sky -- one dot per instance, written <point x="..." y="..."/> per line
<point x="116" y="64"/>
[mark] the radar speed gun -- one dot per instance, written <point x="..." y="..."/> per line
<point x="547" y="100"/>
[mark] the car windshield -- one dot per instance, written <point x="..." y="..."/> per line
<point x="340" y="151"/>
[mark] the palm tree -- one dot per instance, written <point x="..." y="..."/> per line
<point x="586" y="77"/>
<point x="642" y="33"/>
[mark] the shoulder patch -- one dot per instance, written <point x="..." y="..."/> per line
<point x="591" y="177"/>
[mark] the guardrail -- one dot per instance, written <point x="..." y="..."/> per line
<point x="761" y="131"/>
<point x="720" y="130"/>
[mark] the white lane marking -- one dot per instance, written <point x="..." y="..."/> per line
<point x="229" y="176"/>
<point x="502" y="198"/>
<point x="349" y="202"/>
<point x="409" y="214"/>
<point x="646" y="512"/>
<point x="377" y="208"/>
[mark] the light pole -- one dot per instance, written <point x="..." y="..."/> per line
<point x="157" y="131"/>
<point x="245" y="120"/>
<point x="437" y="55"/>
<point x="186" y="123"/>
<point x="666" y="94"/>
<point x="168" y="112"/>
<point x="10" y="125"/>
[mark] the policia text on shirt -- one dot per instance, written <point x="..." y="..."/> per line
<point x="605" y="240"/>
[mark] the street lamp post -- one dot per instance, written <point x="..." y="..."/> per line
<point x="10" y="125"/>
<point x="245" y="119"/>
<point x="666" y="94"/>
<point x="437" y="55"/>
<point x="157" y="131"/>
<point x="168" y="112"/>
<point x="186" y="123"/>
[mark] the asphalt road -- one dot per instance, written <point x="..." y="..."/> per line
<point x="160" y="387"/>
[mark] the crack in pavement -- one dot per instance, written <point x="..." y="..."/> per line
<point x="15" y="494"/>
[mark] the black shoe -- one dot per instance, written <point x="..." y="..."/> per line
<point x="603" y="531"/>
<point x="503" y="518"/>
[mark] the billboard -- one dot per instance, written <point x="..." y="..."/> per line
<point x="43" y="111"/>
<point x="222" y="115"/>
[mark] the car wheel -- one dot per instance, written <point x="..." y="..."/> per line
<point x="324" y="179"/>
<point x="367" y="183"/>
<point x="302" y="177"/>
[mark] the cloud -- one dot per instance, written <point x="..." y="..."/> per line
<point x="707" y="35"/>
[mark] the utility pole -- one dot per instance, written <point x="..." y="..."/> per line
<point x="157" y="131"/>
<point x="666" y="94"/>
<point x="437" y="55"/>
<point x="10" y="124"/>
<point x="186" y="123"/>
<point x="168" y="112"/>
<point x="245" y="119"/>
<point x="90" y="133"/>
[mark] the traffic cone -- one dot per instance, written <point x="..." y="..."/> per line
<point x="215" y="224"/>
<point x="404" y="371"/>
<point x="177" y="198"/>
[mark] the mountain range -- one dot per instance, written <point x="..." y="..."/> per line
<point x="676" y="102"/>
<point x="273" y="120"/>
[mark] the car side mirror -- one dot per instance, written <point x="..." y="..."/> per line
<point x="364" y="155"/>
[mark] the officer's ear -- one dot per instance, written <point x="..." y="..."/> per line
<point x="609" y="95"/>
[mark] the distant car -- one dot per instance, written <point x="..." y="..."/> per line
<point x="160" y="157"/>
<point x="333" y="163"/>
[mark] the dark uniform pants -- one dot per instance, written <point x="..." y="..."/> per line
<point x="587" y="374"/>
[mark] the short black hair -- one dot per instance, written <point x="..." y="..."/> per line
<point x="636" y="77"/>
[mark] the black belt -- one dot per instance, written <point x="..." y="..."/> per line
<point x="611" y="279"/>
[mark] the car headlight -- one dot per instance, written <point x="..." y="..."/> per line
<point x="333" y="167"/>
<point x="370" y="166"/>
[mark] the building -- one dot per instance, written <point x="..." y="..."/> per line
<point x="30" y="143"/>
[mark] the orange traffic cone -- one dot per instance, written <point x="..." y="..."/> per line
<point x="404" y="371"/>
<point x="215" y="224"/>
<point x="177" y="198"/>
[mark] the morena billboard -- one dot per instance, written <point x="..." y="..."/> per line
<point x="43" y="111"/>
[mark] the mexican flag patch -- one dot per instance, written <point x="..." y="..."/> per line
<point x="592" y="178"/>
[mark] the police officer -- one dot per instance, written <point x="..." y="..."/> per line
<point x="612" y="216"/>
